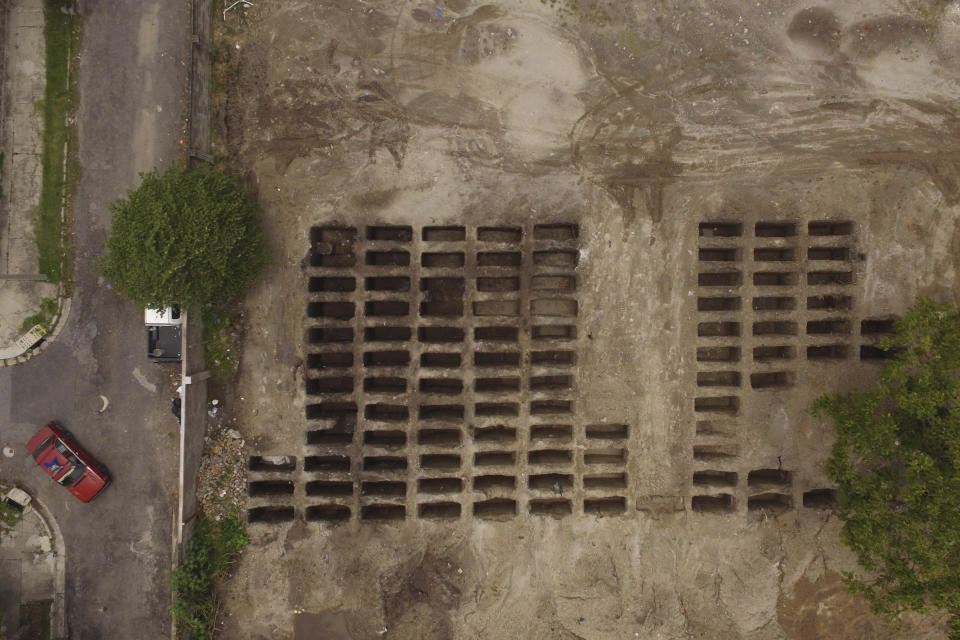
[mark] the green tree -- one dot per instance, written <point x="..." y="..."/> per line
<point x="186" y="236"/>
<point x="896" y="462"/>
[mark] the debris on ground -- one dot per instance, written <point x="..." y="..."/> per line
<point x="221" y="486"/>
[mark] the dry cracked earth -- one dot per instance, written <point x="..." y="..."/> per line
<point x="554" y="288"/>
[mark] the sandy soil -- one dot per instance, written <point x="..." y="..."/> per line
<point x="746" y="195"/>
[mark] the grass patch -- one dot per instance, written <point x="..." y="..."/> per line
<point x="210" y="551"/>
<point x="9" y="517"/>
<point x="220" y="343"/>
<point x="35" y="620"/>
<point x="9" y="514"/>
<point x="48" y="309"/>
<point x="62" y="34"/>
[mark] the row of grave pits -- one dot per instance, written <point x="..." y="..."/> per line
<point x="439" y="335"/>
<point x="446" y="386"/>
<point x="777" y="229"/>
<point x="554" y="232"/>
<point x="552" y="483"/>
<point x="340" y="310"/>
<point x="494" y="509"/>
<point x="383" y="412"/>
<point x="333" y="248"/>
<point x="339" y="240"/>
<point x="769" y="491"/>
<point x="872" y="329"/>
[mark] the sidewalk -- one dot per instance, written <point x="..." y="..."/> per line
<point x="31" y="576"/>
<point x="22" y="289"/>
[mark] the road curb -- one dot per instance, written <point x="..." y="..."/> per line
<point x="194" y="387"/>
<point x="14" y="354"/>
<point x="10" y="356"/>
<point x="58" y="622"/>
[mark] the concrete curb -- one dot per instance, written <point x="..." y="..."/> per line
<point x="58" y="622"/>
<point x="10" y="356"/>
<point x="194" y="389"/>
<point x="193" y="411"/>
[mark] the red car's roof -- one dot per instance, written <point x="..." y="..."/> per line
<point x="67" y="463"/>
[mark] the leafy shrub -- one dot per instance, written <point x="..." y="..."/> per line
<point x="896" y="463"/>
<point x="209" y="552"/>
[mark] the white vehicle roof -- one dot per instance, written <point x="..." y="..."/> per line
<point x="170" y="315"/>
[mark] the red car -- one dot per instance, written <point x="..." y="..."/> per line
<point x="65" y="461"/>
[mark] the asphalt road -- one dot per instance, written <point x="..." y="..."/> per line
<point x="133" y="79"/>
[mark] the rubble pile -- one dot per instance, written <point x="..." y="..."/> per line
<point x="221" y="484"/>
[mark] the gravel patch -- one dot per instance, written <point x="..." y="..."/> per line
<point x="221" y="489"/>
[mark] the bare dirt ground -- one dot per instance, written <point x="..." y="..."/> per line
<point x="597" y="428"/>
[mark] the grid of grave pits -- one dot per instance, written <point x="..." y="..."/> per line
<point x="440" y="376"/>
<point x="769" y="293"/>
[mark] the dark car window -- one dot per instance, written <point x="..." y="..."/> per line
<point x="67" y="453"/>
<point x="73" y="477"/>
<point x="41" y="448"/>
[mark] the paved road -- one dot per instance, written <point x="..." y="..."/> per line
<point x="133" y="74"/>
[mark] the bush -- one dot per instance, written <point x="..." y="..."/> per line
<point x="9" y="516"/>
<point x="187" y="237"/>
<point x="210" y="551"/>
<point x="896" y="463"/>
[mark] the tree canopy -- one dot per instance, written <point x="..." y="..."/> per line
<point x="896" y="462"/>
<point x="186" y="236"/>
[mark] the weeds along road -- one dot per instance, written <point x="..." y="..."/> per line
<point x="133" y="76"/>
